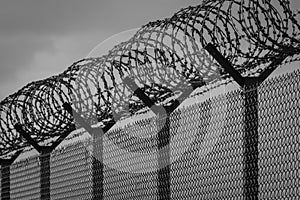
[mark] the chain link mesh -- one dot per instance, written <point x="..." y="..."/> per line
<point x="195" y="174"/>
<point x="25" y="179"/>
<point x="279" y="138"/>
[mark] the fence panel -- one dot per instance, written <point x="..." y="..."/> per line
<point x="279" y="137"/>
<point x="207" y="162"/>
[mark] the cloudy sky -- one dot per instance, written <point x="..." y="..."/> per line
<point x="40" y="38"/>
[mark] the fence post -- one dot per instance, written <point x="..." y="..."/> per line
<point x="5" y="181"/>
<point x="163" y="171"/>
<point x="250" y="141"/>
<point x="97" y="167"/>
<point x="5" y="175"/>
<point x="163" y="113"/>
<point x="97" y="164"/>
<point x="250" y="137"/>
<point x="44" y="156"/>
<point x="164" y="191"/>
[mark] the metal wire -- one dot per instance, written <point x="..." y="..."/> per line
<point x="218" y="174"/>
<point x="164" y="57"/>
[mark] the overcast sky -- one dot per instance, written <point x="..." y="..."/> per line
<point x="40" y="38"/>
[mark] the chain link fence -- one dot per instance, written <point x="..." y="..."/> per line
<point x="211" y="167"/>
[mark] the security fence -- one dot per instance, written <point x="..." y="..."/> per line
<point x="210" y="165"/>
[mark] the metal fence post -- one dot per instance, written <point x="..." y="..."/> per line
<point x="5" y="175"/>
<point x="163" y="113"/>
<point x="250" y="142"/>
<point x="44" y="156"/>
<point x="250" y="139"/>
<point x="5" y="181"/>
<point x="164" y="191"/>
<point x="97" y="164"/>
<point x="97" y="167"/>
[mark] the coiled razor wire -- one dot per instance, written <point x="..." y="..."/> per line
<point x="164" y="57"/>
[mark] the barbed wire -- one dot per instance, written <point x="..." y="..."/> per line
<point x="164" y="57"/>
